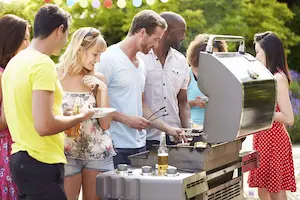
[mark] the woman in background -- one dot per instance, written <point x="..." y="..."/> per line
<point x="197" y="99"/>
<point x="14" y="37"/>
<point x="88" y="148"/>
<point x="275" y="174"/>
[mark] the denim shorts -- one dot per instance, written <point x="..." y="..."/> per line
<point x="75" y="166"/>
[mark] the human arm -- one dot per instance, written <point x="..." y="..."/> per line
<point x="3" y="124"/>
<point x="198" y="102"/>
<point x="286" y="115"/>
<point x="102" y="100"/>
<point x="135" y="122"/>
<point x="184" y="108"/>
<point x="160" y="124"/>
<point x="183" y="103"/>
<point x="45" y="122"/>
<point x="107" y="67"/>
<point x="44" y="82"/>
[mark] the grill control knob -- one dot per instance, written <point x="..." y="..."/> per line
<point x="146" y="169"/>
<point x="172" y="171"/>
<point x="122" y="167"/>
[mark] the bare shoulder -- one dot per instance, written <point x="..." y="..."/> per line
<point x="100" y="76"/>
<point x="281" y="79"/>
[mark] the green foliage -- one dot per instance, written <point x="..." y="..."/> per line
<point x="294" y="58"/>
<point x="235" y="17"/>
<point x="294" y="131"/>
<point x="295" y="100"/>
<point x="229" y="17"/>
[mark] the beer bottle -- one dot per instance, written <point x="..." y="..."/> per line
<point x="76" y="107"/>
<point x="162" y="155"/>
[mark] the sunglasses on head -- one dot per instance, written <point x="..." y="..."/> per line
<point x="93" y="32"/>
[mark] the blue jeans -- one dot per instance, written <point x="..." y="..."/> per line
<point x="122" y="155"/>
<point x="75" y="166"/>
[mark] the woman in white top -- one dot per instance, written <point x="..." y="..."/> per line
<point x="88" y="148"/>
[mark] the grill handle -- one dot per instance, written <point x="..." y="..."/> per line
<point x="228" y="38"/>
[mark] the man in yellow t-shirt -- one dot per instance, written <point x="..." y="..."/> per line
<point x="32" y="99"/>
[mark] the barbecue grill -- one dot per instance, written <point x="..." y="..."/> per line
<point x="242" y="97"/>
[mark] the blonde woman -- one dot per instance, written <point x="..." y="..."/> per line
<point x="88" y="148"/>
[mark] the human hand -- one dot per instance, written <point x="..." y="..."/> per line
<point x="87" y="111"/>
<point x="68" y="112"/>
<point x="91" y="81"/>
<point x="200" y="102"/>
<point x="175" y="132"/>
<point x="137" y="122"/>
<point x="203" y="98"/>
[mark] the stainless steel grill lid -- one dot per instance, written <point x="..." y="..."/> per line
<point x="241" y="91"/>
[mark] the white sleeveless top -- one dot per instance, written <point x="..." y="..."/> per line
<point x="91" y="142"/>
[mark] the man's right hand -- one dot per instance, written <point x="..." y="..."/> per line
<point x="137" y="122"/>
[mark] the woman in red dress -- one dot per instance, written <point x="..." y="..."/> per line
<point x="275" y="174"/>
<point x="14" y="37"/>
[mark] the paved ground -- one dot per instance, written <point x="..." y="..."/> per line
<point x="296" y="152"/>
<point x="251" y="194"/>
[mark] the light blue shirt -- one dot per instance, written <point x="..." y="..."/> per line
<point x="125" y="84"/>
<point x="197" y="113"/>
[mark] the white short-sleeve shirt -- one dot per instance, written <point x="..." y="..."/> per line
<point x="125" y="84"/>
<point x="163" y="84"/>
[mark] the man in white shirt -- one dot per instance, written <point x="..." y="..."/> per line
<point x="167" y="76"/>
<point x="125" y="75"/>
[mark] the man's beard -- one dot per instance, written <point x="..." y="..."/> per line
<point x="145" y="48"/>
<point x="177" y="46"/>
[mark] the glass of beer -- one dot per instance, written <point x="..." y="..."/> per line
<point x="74" y="131"/>
<point x="162" y="164"/>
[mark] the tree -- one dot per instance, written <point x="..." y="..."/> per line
<point x="294" y="58"/>
<point x="231" y="17"/>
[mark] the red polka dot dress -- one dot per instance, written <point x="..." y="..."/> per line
<point x="276" y="169"/>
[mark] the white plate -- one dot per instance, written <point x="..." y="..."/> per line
<point x="102" y="112"/>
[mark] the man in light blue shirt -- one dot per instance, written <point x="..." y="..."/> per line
<point x="125" y="74"/>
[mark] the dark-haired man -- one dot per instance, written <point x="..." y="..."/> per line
<point x="125" y="76"/>
<point x="167" y="76"/>
<point x="32" y="98"/>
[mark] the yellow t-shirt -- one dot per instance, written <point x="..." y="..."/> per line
<point x="31" y="70"/>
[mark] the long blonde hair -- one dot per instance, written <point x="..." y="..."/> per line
<point x="84" y="39"/>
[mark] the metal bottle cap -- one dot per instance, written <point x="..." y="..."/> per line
<point x="122" y="167"/>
